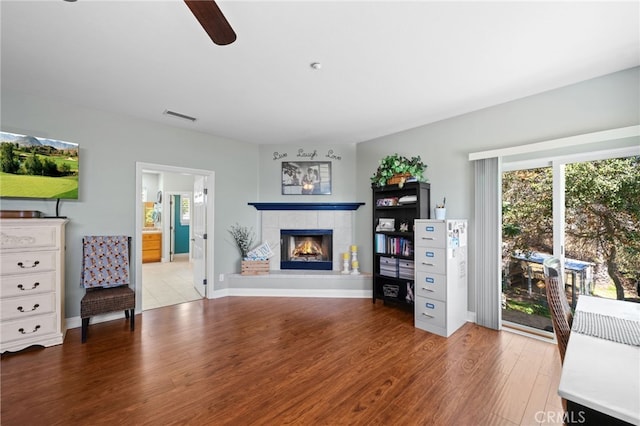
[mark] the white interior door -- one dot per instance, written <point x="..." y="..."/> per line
<point x="172" y="221"/>
<point x="199" y="229"/>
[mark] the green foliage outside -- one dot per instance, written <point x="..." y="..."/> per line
<point x="602" y="216"/>
<point x="607" y="290"/>
<point x="603" y="198"/>
<point x="531" y="308"/>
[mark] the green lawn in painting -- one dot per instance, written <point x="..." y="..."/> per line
<point x="26" y="186"/>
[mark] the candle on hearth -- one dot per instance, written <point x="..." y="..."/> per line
<point x="345" y="263"/>
<point x="354" y="248"/>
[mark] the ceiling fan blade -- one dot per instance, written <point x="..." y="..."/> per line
<point x="212" y="20"/>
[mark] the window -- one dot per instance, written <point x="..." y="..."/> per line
<point x="185" y="210"/>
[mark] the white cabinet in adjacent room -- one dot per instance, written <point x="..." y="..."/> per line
<point x="440" y="275"/>
<point x="32" y="286"/>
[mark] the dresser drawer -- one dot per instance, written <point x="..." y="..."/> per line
<point x="31" y="327"/>
<point x="27" y="284"/>
<point x="149" y="238"/>
<point x="31" y="237"/>
<point x="433" y="260"/>
<point x="433" y="286"/>
<point x="28" y="262"/>
<point x="151" y="245"/>
<point x="430" y="234"/>
<point x="22" y="307"/>
<point x="430" y="312"/>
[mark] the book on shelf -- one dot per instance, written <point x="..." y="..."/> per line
<point x="381" y="243"/>
<point x="386" y="244"/>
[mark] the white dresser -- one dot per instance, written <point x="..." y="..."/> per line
<point x="440" y="275"/>
<point x="32" y="286"/>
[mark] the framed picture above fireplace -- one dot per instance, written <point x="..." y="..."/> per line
<point x="306" y="177"/>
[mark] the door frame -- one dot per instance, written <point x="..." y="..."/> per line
<point x="142" y="167"/>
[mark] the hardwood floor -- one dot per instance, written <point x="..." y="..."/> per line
<point x="265" y="361"/>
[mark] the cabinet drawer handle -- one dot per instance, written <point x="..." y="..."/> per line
<point x="428" y="264"/>
<point x="428" y="289"/>
<point x="36" y="263"/>
<point x="427" y="315"/>
<point x="21" y="309"/>
<point x="21" y="287"/>
<point x="29" y="332"/>
<point x="429" y="238"/>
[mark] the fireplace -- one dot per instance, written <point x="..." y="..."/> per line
<point x="306" y="249"/>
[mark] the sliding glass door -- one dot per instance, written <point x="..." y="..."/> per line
<point x="527" y="236"/>
<point x="584" y="209"/>
<point x="602" y="226"/>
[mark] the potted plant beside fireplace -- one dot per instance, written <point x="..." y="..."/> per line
<point x="397" y="169"/>
<point x="244" y="236"/>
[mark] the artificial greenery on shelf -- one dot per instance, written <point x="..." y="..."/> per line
<point x="395" y="164"/>
<point x="243" y="237"/>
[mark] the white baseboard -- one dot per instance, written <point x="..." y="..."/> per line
<point x="288" y="292"/>
<point x="471" y="317"/>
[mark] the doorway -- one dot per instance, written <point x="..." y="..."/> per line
<point x="527" y="232"/>
<point x="577" y="208"/>
<point x="180" y="229"/>
<point x="173" y="279"/>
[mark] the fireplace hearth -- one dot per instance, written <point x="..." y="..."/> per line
<point x="310" y="249"/>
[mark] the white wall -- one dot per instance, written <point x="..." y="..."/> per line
<point x="343" y="171"/>
<point x="110" y="146"/>
<point x="603" y="103"/>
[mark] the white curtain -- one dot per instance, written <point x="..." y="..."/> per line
<point x="488" y="218"/>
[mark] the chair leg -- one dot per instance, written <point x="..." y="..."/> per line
<point x="85" y="326"/>
<point x="132" y="319"/>
<point x="126" y="313"/>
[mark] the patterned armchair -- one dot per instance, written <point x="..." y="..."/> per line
<point x="106" y="277"/>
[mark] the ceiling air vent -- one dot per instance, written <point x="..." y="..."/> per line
<point x="178" y="115"/>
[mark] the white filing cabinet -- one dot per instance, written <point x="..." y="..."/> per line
<point x="440" y="275"/>
<point x="32" y="285"/>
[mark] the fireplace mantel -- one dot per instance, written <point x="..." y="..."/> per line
<point x="307" y="206"/>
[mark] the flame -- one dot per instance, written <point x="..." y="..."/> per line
<point x="306" y="248"/>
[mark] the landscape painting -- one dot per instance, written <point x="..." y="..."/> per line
<point x="35" y="167"/>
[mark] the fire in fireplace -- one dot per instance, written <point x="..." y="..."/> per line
<point x="309" y="249"/>
<point x="306" y="249"/>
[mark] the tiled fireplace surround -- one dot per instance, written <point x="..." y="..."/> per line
<point x="341" y="222"/>
<point x="339" y="217"/>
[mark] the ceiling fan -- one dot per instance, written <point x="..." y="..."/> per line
<point x="212" y="20"/>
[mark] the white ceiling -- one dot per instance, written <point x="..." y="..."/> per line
<point x="386" y="65"/>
